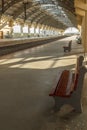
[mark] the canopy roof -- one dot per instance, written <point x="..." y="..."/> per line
<point x="56" y="13"/>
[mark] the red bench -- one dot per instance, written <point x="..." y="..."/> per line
<point x="67" y="86"/>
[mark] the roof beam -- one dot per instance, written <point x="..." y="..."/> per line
<point x="33" y="13"/>
<point x="36" y="13"/>
<point x="51" y="22"/>
<point x="68" y="5"/>
<point x="10" y="4"/>
<point x="20" y="10"/>
<point x="40" y="18"/>
<point x="81" y="5"/>
<point x="36" y="16"/>
<point x="80" y="12"/>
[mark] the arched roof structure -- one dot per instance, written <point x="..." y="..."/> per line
<point x="55" y="13"/>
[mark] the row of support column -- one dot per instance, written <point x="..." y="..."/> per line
<point x="32" y="29"/>
<point x="38" y="31"/>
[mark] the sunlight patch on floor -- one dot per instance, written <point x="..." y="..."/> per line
<point x="11" y="61"/>
<point x="16" y="66"/>
<point x="35" y="65"/>
<point x="3" y="60"/>
<point x="40" y="63"/>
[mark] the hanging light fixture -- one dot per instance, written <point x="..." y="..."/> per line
<point x="2" y="11"/>
<point x="25" y="3"/>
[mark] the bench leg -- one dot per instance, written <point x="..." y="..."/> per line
<point x="76" y="104"/>
<point x="64" y="50"/>
<point x="74" y="101"/>
<point x="59" y="102"/>
<point x="78" y="107"/>
<point x="69" y="50"/>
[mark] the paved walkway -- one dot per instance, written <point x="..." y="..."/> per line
<point x="26" y="79"/>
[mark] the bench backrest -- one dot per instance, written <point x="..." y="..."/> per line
<point x="80" y="82"/>
<point x="77" y="70"/>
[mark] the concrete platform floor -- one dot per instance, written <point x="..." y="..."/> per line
<point x="26" y="78"/>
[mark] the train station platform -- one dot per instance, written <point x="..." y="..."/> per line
<point x="26" y="78"/>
